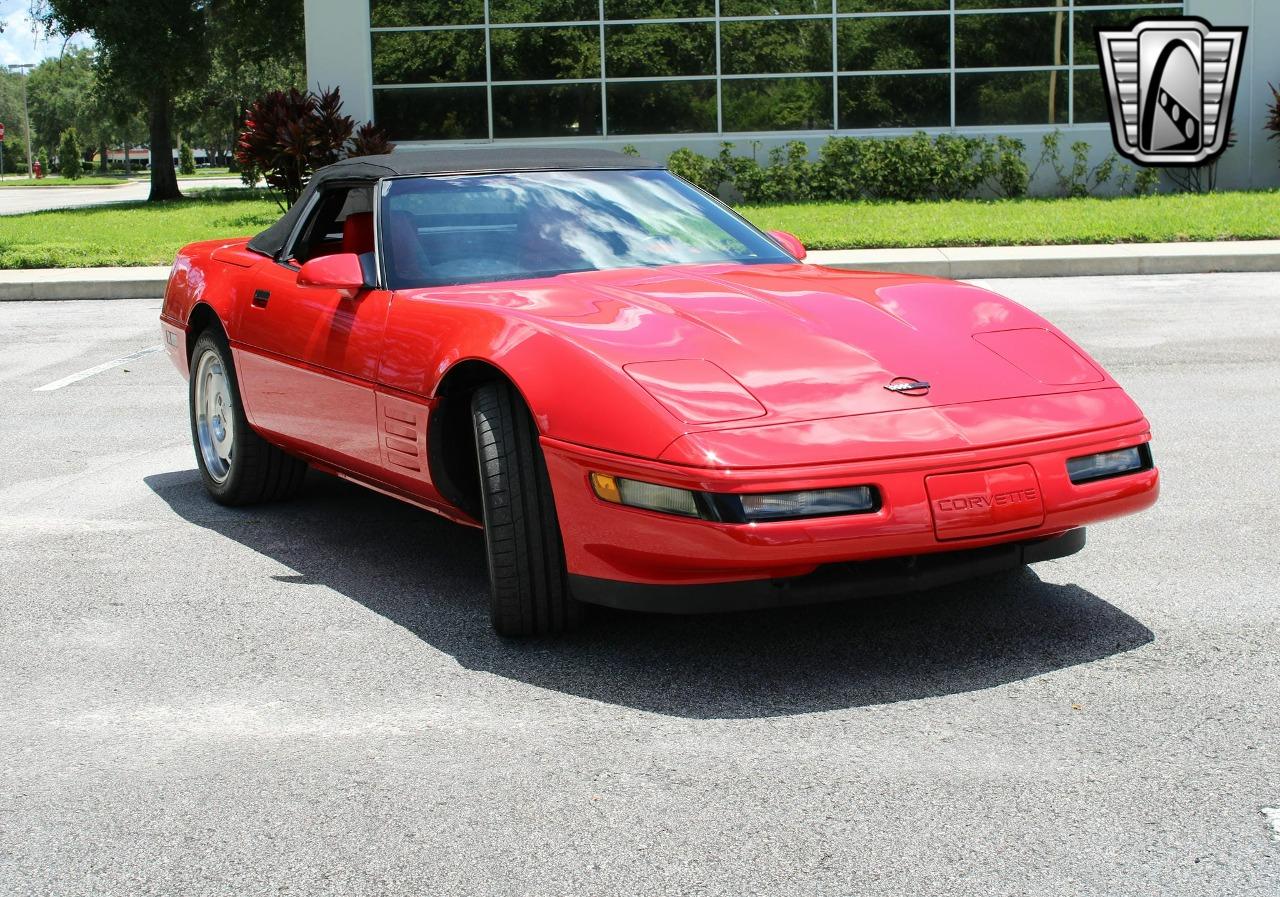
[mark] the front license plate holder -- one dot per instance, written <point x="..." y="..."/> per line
<point x="985" y="502"/>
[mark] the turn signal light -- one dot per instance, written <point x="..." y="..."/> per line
<point x="649" y="496"/>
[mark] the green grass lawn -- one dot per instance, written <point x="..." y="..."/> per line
<point x="56" y="181"/>
<point x="1029" y="222"/>
<point x="143" y="234"/>
<point x="130" y="233"/>
<point x="200" y="173"/>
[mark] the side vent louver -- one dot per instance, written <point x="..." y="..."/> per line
<point x="403" y="428"/>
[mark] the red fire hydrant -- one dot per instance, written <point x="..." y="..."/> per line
<point x="37" y="169"/>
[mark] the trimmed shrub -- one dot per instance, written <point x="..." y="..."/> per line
<point x="961" y="165"/>
<point x="691" y="166"/>
<point x="915" y="167"/>
<point x="186" y="160"/>
<point x="736" y="178"/>
<point x="789" y="176"/>
<point x="1011" y="177"/>
<point x="838" y="160"/>
<point x="1078" y="179"/>
<point x="1146" y="182"/>
<point x="69" y="155"/>
<point x="911" y="168"/>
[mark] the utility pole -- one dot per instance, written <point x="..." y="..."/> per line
<point x="26" y="68"/>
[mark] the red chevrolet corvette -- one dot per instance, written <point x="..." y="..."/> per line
<point x="643" y="400"/>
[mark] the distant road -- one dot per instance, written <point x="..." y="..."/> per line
<point x="17" y="200"/>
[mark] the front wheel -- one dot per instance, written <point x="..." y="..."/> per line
<point x="528" y="585"/>
<point x="237" y="465"/>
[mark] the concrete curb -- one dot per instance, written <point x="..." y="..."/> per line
<point x="52" y="284"/>
<point x="972" y="263"/>
<point x="48" y="284"/>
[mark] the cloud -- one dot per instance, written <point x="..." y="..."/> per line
<point x="22" y="41"/>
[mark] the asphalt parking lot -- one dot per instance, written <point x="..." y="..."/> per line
<point x="307" y="699"/>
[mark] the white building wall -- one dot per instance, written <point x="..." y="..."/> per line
<point x="1255" y="161"/>
<point x="338" y="54"/>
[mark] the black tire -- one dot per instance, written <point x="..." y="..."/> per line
<point x="528" y="585"/>
<point x="256" y="470"/>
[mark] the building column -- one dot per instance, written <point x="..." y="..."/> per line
<point x="1255" y="162"/>
<point x="338" y="53"/>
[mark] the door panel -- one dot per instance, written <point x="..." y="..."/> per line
<point x="308" y="358"/>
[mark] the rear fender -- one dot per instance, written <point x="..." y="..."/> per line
<point x="201" y="289"/>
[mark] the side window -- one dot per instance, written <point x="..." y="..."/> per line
<point x="327" y="230"/>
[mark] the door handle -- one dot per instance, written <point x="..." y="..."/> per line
<point x="260" y="298"/>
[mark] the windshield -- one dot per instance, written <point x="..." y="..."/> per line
<point x="476" y="228"/>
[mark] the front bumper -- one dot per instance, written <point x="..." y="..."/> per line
<point x="832" y="582"/>
<point x="605" y="541"/>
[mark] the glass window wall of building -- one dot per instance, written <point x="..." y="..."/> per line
<point x="495" y="69"/>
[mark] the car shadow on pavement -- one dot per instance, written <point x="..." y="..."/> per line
<point x="428" y="575"/>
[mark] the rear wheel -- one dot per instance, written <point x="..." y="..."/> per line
<point x="237" y="465"/>
<point x="528" y="586"/>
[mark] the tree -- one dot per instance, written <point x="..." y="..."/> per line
<point x="146" y="48"/>
<point x="11" y="115"/>
<point x="61" y="93"/>
<point x="246" y="61"/>
<point x="149" y="50"/>
<point x="186" y="160"/>
<point x="69" y="155"/>
<point x="15" y="152"/>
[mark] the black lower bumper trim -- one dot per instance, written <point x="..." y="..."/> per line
<point x="831" y="582"/>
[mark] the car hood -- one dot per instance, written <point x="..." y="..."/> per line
<point x="776" y="343"/>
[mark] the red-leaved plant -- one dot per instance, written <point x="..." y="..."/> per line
<point x="288" y="135"/>
<point x="369" y="140"/>
<point x="1273" y="114"/>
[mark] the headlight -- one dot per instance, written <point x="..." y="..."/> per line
<point x="1104" y="465"/>
<point x="723" y="508"/>
<point x="794" y="505"/>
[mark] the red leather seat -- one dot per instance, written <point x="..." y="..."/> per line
<point x="357" y="233"/>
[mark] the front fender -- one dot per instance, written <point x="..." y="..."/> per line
<point x="575" y="395"/>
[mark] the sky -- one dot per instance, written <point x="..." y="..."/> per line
<point x="21" y="42"/>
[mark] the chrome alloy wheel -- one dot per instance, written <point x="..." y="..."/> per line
<point x="215" y="416"/>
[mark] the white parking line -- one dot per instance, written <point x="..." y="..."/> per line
<point x="96" y="369"/>
<point x="1273" y="816"/>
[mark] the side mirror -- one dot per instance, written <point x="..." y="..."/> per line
<point x="341" y="272"/>
<point x="790" y="242"/>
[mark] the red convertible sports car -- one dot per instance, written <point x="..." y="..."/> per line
<point x="643" y="400"/>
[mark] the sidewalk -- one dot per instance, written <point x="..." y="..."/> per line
<point x="958" y="264"/>
<point x="971" y="263"/>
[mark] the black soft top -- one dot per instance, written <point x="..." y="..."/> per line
<point x="469" y="160"/>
